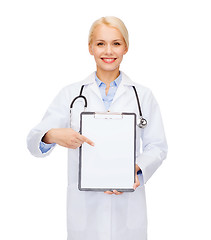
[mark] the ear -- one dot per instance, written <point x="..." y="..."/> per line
<point x="90" y="49"/>
<point x="126" y="50"/>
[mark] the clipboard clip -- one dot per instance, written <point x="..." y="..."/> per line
<point x="108" y="115"/>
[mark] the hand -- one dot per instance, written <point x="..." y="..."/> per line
<point x="66" y="137"/>
<point x="136" y="184"/>
<point x="113" y="192"/>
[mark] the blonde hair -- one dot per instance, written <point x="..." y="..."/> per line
<point x="112" y="22"/>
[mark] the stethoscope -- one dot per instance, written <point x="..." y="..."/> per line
<point x="142" y="122"/>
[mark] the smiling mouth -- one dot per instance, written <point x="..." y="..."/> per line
<point x="108" y="60"/>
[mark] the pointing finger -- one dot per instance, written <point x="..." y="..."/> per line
<point x="87" y="140"/>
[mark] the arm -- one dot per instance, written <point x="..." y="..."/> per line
<point x="54" y="128"/>
<point x="65" y="137"/>
<point x="154" y="143"/>
<point x="56" y="116"/>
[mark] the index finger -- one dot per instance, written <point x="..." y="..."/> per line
<point x="87" y="140"/>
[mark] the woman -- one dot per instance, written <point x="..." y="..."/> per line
<point x="109" y="215"/>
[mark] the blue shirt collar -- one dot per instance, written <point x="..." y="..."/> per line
<point x="116" y="81"/>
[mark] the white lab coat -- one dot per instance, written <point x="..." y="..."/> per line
<point x="96" y="215"/>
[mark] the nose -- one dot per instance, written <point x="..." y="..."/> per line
<point x="109" y="49"/>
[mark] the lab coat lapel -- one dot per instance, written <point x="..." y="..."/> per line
<point x="123" y="86"/>
<point x="95" y="89"/>
<point x="93" y="85"/>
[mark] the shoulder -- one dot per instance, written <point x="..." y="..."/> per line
<point x="74" y="88"/>
<point x="143" y="91"/>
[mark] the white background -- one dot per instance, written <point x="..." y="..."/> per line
<point x="43" y="47"/>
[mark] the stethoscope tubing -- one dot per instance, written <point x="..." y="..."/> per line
<point x="142" y="123"/>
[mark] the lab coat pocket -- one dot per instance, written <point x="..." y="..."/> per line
<point x="136" y="211"/>
<point x="76" y="209"/>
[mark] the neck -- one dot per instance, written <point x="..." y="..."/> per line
<point x="107" y="76"/>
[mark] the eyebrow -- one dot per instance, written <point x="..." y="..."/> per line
<point x="113" y="40"/>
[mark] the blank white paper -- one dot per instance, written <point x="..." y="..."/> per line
<point x="110" y="163"/>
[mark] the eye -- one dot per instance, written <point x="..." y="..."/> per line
<point x="117" y="44"/>
<point x="100" y="44"/>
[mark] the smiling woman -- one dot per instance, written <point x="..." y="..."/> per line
<point x="108" y="42"/>
<point x="110" y="214"/>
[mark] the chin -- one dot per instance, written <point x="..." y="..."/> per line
<point x="109" y="68"/>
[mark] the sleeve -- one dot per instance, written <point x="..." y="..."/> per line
<point x="45" y="147"/>
<point x="56" y="116"/>
<point x="154" y="144"/>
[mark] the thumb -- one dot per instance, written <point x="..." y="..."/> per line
<point x="137" y="183"/>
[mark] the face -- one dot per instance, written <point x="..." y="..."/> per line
<point x="108" y="47"/>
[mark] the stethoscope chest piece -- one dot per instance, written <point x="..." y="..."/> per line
<point x="142" y="122"/>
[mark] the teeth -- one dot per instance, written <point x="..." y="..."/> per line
<point x="108" y="59"/>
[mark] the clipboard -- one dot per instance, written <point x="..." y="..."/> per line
<point x="110" y="164"/>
